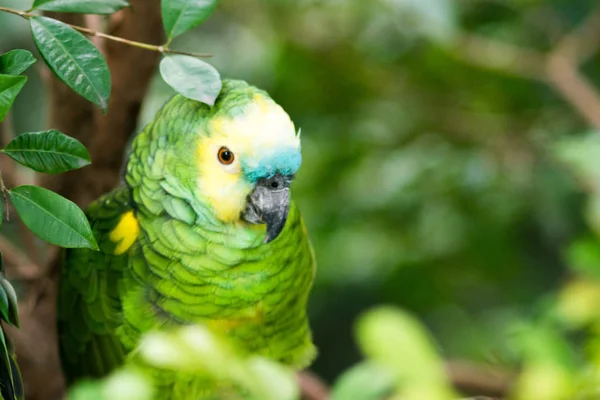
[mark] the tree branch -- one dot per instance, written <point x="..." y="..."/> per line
<point x="94" y="33"/>
<point x="477" y="380"/>
<point x="559" y="68"/>
<point x="311" y="386"/>
<point x="503" y="57"/>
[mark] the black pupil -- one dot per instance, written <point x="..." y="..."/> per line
<point x="225" y="155"/>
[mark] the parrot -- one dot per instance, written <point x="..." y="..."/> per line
<point x="202" y="230"/>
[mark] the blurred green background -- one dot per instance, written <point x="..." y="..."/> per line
<point x="428" y="181"/>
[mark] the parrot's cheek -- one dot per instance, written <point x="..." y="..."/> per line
<point x="269" y="204"/>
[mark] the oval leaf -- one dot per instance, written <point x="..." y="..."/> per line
<point x="73" y="58"/>
<point x="16" y="61"/>
<point x="51" y="151"/>
<point x="180" y="16"/>
<point x="53" y="218"/>
<point x="364" y="381"/>
<point x="192" y="78"/>
<point x="10" y="86"/>
<point x="4" y="304"/>
<point x="81" y="6"/>
<point x="11" y="295"/>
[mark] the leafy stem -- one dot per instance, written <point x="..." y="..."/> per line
<point x="164" y="49"/>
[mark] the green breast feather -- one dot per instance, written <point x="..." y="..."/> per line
<point x="168" y="256"/>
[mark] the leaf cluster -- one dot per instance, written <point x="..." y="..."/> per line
<point x="76" y="61"/>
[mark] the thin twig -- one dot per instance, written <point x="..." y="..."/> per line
<point x="311" y="386"/>
<point x="475" y="379"/>
<point x="90" y="32"/>
<point x="564" y="76"/>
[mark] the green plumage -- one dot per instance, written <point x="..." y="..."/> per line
<point x="185" y="266"/>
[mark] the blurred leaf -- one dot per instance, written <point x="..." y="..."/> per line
<point x="272" y="380"/>
<point x="365" y="381"/>
<point x="4" y="349"/>
<point x="12" y="388"/>
<point x="125" y="383"/>
<point x="581" y="155"/>
<point x="10" y="86"/>
<point x="191" y="78"/>
<point x="434" y="19"/>
<point x="128" y="385"/>
<point x="4" y="304"/>
<point x="50" y="151"/>
<point x="81" y="6"/>
<point x="16" y="61"/>
<point x="214" y="364"/>
<point x="583" y="256"/>
<point x="73" y="58"/>
<point x="542" y="381"/>
<point x="86" y="390"/>
<point x="544" y="343"/>
<point x="179" y="16"/>
<point x="397" y="341"/>
<point x="578" y="303"/>
<point x="52" y="217"/>
<point x="548" y="363"/>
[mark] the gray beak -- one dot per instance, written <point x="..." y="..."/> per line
<point x="269" y="204"/>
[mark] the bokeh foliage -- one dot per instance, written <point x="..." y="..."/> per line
<point x="465" y="195"/>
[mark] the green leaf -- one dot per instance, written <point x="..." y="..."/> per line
<point x="73" y="58"/>
<point x="398" y="342"/>
<point x="81" y="6"/>
<point x="51" y="151"/>
<point x="16" y="61"/>
<point x="4" y="350"/>
<point x="364" y="381"/>
<point x="13" y="311"/>
<point x="10" y="86"/>
<point x="192" y="78"/>
<point x="52" y="217"/>
<point x="583" y="256"/>
<point x="4" y="305"/>
<point x="180" y="16"/>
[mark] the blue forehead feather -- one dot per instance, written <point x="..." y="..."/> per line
<point x="286" y="162"/>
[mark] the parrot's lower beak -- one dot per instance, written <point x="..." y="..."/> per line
<point x="269" y="204"/>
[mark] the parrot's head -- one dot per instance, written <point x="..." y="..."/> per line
<point x="247" y="157"/>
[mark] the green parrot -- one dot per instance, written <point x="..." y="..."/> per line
<point x="202" y="231"/>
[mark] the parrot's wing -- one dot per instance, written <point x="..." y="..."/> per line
<point x="88" y="305"/>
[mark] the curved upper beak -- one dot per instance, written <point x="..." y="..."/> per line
<point x="269" y="204"/>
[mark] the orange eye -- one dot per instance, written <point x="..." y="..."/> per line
<point x="225" y="156"/>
